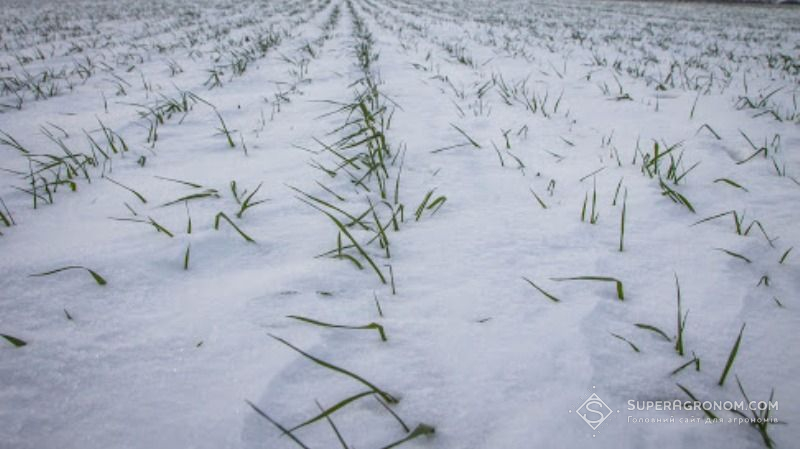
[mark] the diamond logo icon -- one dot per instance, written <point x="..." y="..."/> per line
<point x="594" y="411"/>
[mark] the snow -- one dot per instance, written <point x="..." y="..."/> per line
<point x="164" y="356"/>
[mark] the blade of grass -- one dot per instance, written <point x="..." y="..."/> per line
<point x="541" y="203"/>
<point x="548" y="295"/>
<point x="731" y="356"/>
<point x="369" y="326"/>
<point x="620" y="292"/>
<point x="386" y="396"/>
<point x="785" y="255"/>
<point x="470" y="139"/>
<point x="633" y="346"/>
<point x="653" y="329"/>
<point x="230" y="222"/>
<point x="731" y="183"/>
<point x="138" y="195"/>
<point x="733" y="254"/>
<point x="689" y="393"/>
<point x="97" y="278"/>
<point x="333" y="426"/>
<point x="276" y="424"/>
<point x="14" y="340"/>
<point x="391" y="412"/>
<point x="420" y="430"/>
<point x="331" y="410"/>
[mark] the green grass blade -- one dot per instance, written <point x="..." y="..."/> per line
<point x="137" y="194"/>
<point x="653" y="329"/>
<point x="731" y="183"/>
<point x="97" y="278"/>
<point x="386" y="396"/>
<point x="785" y="255"/>
<point x="731" y="356"/>
<point x="331" y="410"/>
<point x="547" y="295"/>
<point x="14" y="340"/>
<point x="620" y="291"/>
<point x="633" y="346"/>
<point x="689" y="393"/>
<point x="276" y="424"/>
<point x="733" y="254"/>
<point x="420" y="430"/>
<point x="470" y="139"/>
<point x="370" y="326"/>
<point x="222" y="215"/>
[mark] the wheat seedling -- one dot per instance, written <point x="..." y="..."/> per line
<point x="384" y="395"/>
<point x="97" y="278"/>
<point x="731" y="356"/>
<point x="620" y="292"/>
<point x="369" y="326"/>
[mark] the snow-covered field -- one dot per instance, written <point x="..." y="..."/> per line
<point x="357" y="221"/>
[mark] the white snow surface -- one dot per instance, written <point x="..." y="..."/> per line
<point x="517" y="115"/>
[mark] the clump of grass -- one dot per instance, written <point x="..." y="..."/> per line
<point x="384" y="395"/>
<point x="246" y="202"/>
<point x="620" y="292"/>
<point x="675" y="196"/>
<point x="356" y="245"/>
<point x="97" y="278"/>
<point x="731" y="356"/>
<point x="370" y="326"/>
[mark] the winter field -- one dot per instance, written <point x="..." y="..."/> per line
<point x="381" y="223"/>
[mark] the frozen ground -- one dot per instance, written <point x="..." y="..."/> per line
<point x="128" y="127"/>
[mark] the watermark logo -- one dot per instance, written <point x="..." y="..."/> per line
<point x="594" y="411"/>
